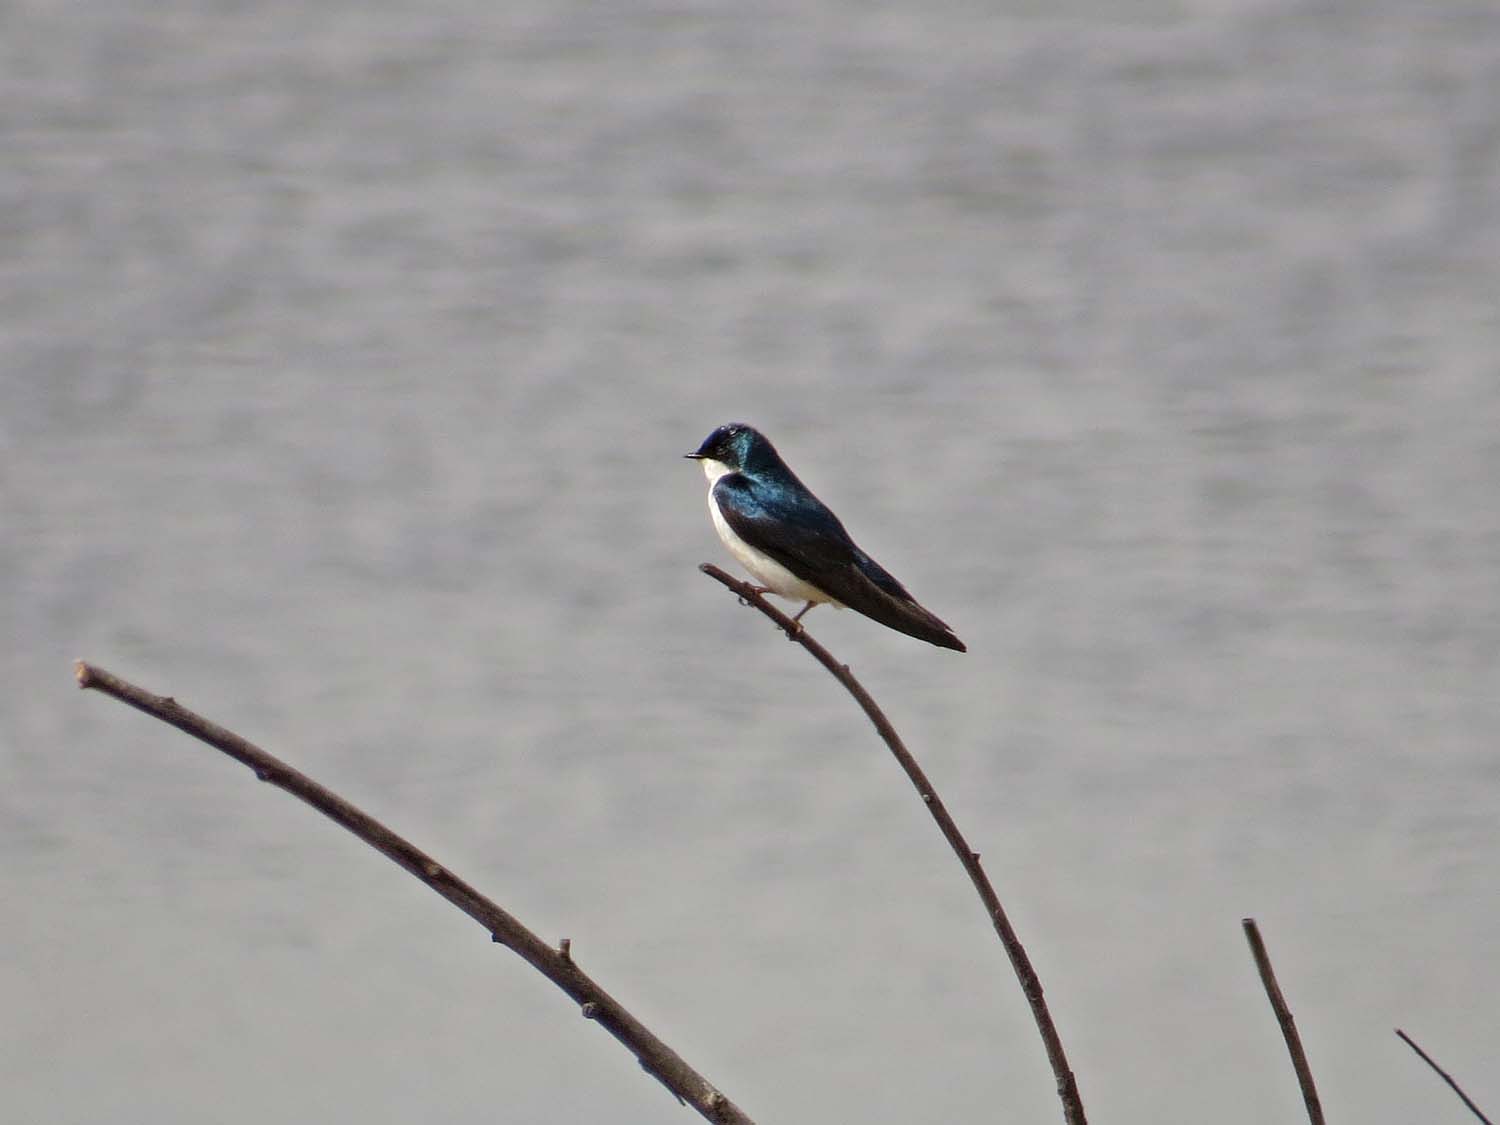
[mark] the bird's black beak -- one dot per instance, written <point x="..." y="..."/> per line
<point x="693" y="456"/>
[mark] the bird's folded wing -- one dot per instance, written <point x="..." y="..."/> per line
<point x="809" y="541"/>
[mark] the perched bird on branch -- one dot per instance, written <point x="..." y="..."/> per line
<point x="792" y="544"/>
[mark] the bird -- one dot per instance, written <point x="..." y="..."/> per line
<point x="793" y="545"/>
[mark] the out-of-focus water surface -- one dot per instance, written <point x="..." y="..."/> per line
<point x="349" y="354"/>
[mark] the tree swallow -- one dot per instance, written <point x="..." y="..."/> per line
<point x="792" y="544"/>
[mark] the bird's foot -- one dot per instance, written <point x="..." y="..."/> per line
<point x="758" y="591"/>
<point x="796" y="629"/>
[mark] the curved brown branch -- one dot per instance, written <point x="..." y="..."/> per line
<point x="1284" y="1018"/>
<point x="1067" y="1086"/>
<point x="556" y="965"/>
<point x="1443" y="1074"/>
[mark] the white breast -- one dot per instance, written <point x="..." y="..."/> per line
<point x="762" y="567"/>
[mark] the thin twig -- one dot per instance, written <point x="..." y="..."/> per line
<point x="557" y="965"/>
<point x="1067" y="1085"/>
<point x="1284" y="1018"/>
<point x="1443" y="1074"/>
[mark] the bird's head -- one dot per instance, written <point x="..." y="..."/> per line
<point x="731" y="448"/>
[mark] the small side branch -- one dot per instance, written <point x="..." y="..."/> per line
<point x="1284" y="1018"/>
<point x="557" y="965"/>
<point x="1031" y="985"/>
<point x="1443" y="1074"/>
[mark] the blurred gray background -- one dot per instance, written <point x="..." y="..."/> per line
<point x="349" y="354"/>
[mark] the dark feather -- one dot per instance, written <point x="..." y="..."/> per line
<point x="798" y="530"/>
